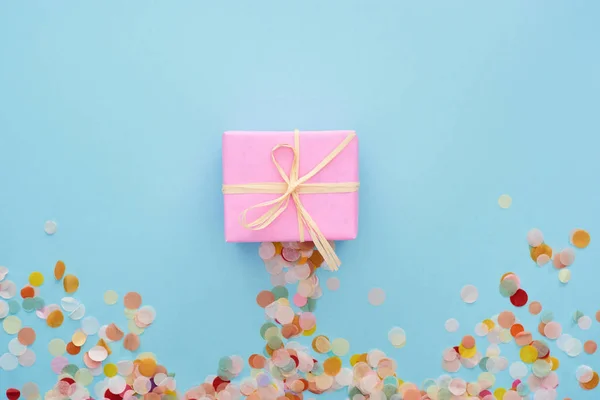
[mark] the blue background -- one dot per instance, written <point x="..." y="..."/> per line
<point x="111" y="116"/>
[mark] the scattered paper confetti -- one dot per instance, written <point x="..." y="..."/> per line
<point x="504" y="201"/>
<point x="469" y="294"/>
<point x="111" y="297"/>
<point x="50" y="227"/>
<point x="376" y="296"/>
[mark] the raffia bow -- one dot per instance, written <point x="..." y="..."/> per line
<point x="291" y="187"/>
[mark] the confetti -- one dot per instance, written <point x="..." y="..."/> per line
<point x="132" y="300"/>
<point x="333" y="284"/>
<point x="564" y="275"/>
<point x="50" y="227"/>
<point x="580" y="238"/>
<point x="590" y="347"/>
<point x="59" y="270"/>
<point x="70" y="284"/>
<point x="36" y="279"/>
<point x="504" y="201"/>
<point x="535" y="307"/>
<point x="451" y="325"/>
<point x="469" y="294"/>
<point x="111" y="297"/>
<point x="376" y="296"/>
<point x="397" y="337"/>
<point x="535" y="237"/>
<point x="11" y="325"/>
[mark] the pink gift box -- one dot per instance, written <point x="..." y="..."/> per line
<point x="247" y="159"/>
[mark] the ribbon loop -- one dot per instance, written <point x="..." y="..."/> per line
<point x="291" y="187"/>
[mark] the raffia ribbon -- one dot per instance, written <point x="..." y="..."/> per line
<point x="291" y="187"/>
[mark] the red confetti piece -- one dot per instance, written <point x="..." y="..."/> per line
<point x="13" y="394"/>
<point x="519" y="299"/>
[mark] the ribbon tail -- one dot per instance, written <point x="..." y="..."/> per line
<point x="320" y="241"/>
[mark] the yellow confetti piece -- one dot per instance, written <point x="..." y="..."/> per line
<point x="36" y="279"/>
<point x="311" y="331"/>
<point x="55" y="319"/>
<point x="555" y="363"/>
<point x="504" y="201"/>
<point x="110" y="370"/>
<point x="71" y="283"/>
<point x="467" y="353"/>
<point x="111" y="297"/>
<point x="489" y="323"/>
<point x="79" y="338"/>
<point x="499" y="393"/>
<point x="12" y="325"/>
<point x="528" y="354"/>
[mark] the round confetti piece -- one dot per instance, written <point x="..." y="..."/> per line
<point x="469" y="294"/>
<point x="506" y="319"/>
<point x="8" y="289"/>
<point x="519" y="299"/>
<point x="590" y="347"/>
<point x="50" y="227"/>
<point x="376" y="296"/>
<point x="481" y="329"/>
<point x="333" y="283"/>
<point x="553" y="330"/>
<point x="132" y="300"/>
<point x="516" y="329"/>
<point x="340" y="347"/>
<point x="84" y="376"/>
<point x="573" y="347"/>
<point x="111" y="297"/>
<point x="8" y="362"/>
<point x="584" y="374"/>
<point x="110" y="370"/>
<point x="528" y="354"/>
<point x="16" y="348"/>
<point x="30" y="391"/>
<point x="26" y="336"/>
<point x="117" y="385"/>
<point x="543" y="259"/>
<point x="397" y="337"/>
<point x="567" y="256"/>
<point x="332" y="366"/>
<point x="70" y="284"/>
<point x="11" y="324"/>
<point x="73" y="349"/>
<point x="131" y="342"/>
<point x="57" y="347"/>
<point x="518" y="370"/>
<point x="543" y="249"/>
<point x="28" y="292"/>
<point x="564" y="275"/>
<point x="55" y="319"/>
<point x="27" y="359"/>
<point x="266" y="250"/>
<point x="535" y="237"/>
<point x="468" y="342"/>
<point x="592" y="384"/>
<point x="36" y="279"/>
<point x="264" y="298"/>
<point x="90" y="326"/>
<point x="147" y="367"/>
<point x="452" y="325"/>
<point x="580" y="238"/>
<point x="98" y="353"/>
<point x="584" y="323"/>
<point x="58" y="364"/>
<point x="556" y="262"/>
<point x="541" y="368"/>
<point x="79" y="338"/>
<point x="504" y="201"/>
<point x="535" y="307"/>
<point x="59" y="270"/>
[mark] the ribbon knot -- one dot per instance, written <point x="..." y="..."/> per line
<point x="291" y="187"/>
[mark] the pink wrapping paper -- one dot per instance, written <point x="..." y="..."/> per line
<point x="247" y="159"/>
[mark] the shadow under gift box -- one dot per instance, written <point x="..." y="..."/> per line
<point x="247" y="159"/>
